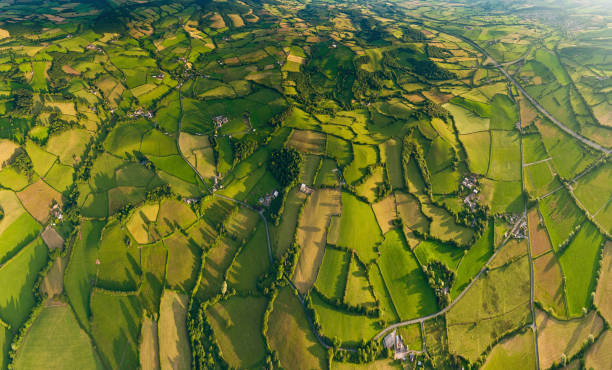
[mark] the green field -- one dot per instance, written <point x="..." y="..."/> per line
<point x="331" y="279"/>
<point x="402" y="274"/>
<point x="359" y="229"/>
<point x="473" y="261"/>
<point x="70" y="348"/>
<point x="237" y="324"/>
<point x="579" y="263"/>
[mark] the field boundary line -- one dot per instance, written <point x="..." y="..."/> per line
<point x="536" y="162"/>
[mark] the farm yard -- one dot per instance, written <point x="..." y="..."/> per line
<point x="277" y="184"/>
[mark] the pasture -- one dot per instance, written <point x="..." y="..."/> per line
<point x="359" y="229"/>
<point x="563" y="337"/>
<point x="579" y="262"/>
<point x="311" y="235"/>
<point x="332" y="275"/>
<point x="301" y="348"/>
<point x="410" y="293"/>
<point x="561" y="216"/>
<point x="516" y="352"/>
<point x="70" y="348"/>
<point x="473" y="261"/>
<point x="173" y="338"/>
<point x="604" y="288"/>
<point x="497" y="303"/>
<point x="549" y="288"/>
<point x="237" y="325"/>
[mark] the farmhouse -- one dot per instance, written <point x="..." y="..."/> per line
<point x="220" y="121"/>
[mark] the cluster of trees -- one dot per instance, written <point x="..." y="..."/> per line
<point x="477" y="218"/>
<point x="441" y="279"/>
<point x="23" y="163"/>
<point x="57" y="124"/>
<point x="243" y="148"/>
<point x="285" y="266"/>
<point x="436" y="52"/>
<point x="368" y="80"/>
<point x="124" y="211"/>
<point x="205" y="353"/>
<point x="285" y="165"/>
<point x="412" y="149"/>
<point x="160" y="192"/>
<point x="22" y="101"/>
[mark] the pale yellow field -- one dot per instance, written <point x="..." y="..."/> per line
<point x="53" y="283"/>
<point x="599" y="356"/>
<point x="174" y="350"/>
<point x="138" y="224"/>
<point x="7" y="150"/>
<point x="4" y="34"/>
<point x="12" y="208"/>
<point x="38" y="198"/>
<point x="307" y="141"/>
<point x="149" y="346"/>
<point x="603" y="296"/>
<point x="216" y="21"/>
<point x="199" y="153"/>
<point x="385" y="213"/>
<point x="236" y="20"/>
<point x="558" y="337"/>
<point x="320" y="206"/>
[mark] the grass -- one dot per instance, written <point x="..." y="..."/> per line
<point x="579" y="262"/>
<point x="561" y="216"/>
<point x="563" y="337"/>
<point x="282" y="236"/>
<point x="503" y="113"/>
<point x="115" y="324"/>
<point x="218" y="260"/>
<point x="502" y="196"/>
<point x="17" y="234"/>
<point x="69" y="145"/>
<point x="538" y="237"/>
<point x="290" y="335"/>
<point x="119" y="264"/>
<point x="173" y="215"/>
<point x="466" y="121"/>
<point x="38" y="199"/>
<point x="311" y="233"/>
<point x="148" y="351"/>
<point x="473" y="261"/>
<point x="539" y="180"/>
<point x="139" y="225"/>
<point x="388" y="313"/>
<point x="599" y="356"/>
<point x="358" y="290"/>
<point x="444" y="227"/>
<point x="477" y="146"/>
<point x="349" y="328"/>
<point x="568" y="155"/>
<point x="153" y="260"/>
<point x="505" y="163"/>
<point x="533" y="149"/>
<point x="548" y="284"/>
<point x="55" y="340"/>
<point x="19" y="274"/>
<point x="430" y="250"/>
<point x="411" y="336"/>
<point x="327" y="175"/>
<point x="41" y="159"/>
<point x="332" y="275"/>
<point x="306" y="141"/>
<point x="368" y="188"/>
<point x="516" y="352"/>
<point x="385" y="212"/>
<point x="391" y="151"/>
<point x="252" y="262"/>
<point x="363" y="156"/>
<point x="604" y="288"/>
<point x="402" y="274"/>
<point x="594" y="189"/>
<point x="173" y="339"/>
<point x="183" y="262"/>
<point x="551" y="62"/>
<point x="496" y="304"/>
<point x="359" y="229"/>
<point x="237" y="324"/>
<point x="81" y="269"/>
